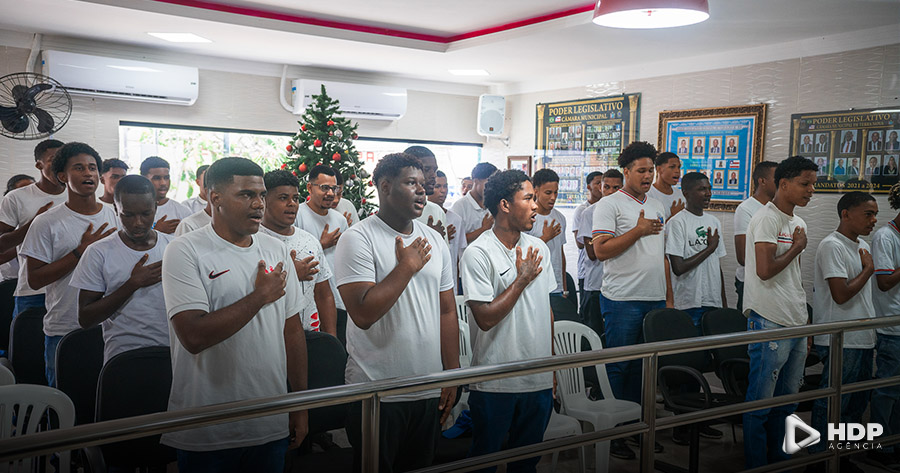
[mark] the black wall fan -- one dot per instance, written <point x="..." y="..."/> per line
<point x="32" y="106"/>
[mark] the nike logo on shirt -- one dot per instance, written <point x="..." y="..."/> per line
<point x="214" y="275"/>
<point x="504" y="272"/>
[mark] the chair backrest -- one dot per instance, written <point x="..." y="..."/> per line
<point x="79" y="359"/>
<point x="6" y="376"/>
<point x="564" y="309"/>
<point x="23" y="411"/>
<point x="573" y="289"/>
<point x="722" y="321"/>
<point x="465" y="345"/>
<point x="7" y="304"/>
<point x="673" y="324"/>
<point x="327" y="361"/>
<point x="26" y="346"/>
<point x="567" y="338"/>
<point x="133" y="383"/>
<point x="462" y="310"/>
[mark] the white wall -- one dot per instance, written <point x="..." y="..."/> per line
<point x="866" y="78"/>
<point x="231" y="100"/>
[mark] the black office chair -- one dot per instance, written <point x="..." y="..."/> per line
<point x="564" y="309"/>
<point x="7" y="304"/>
<point x="680" y="377"/>
<point x="79" y="358"/>
<point x="26" y="346"/>
<point x="573" y="289"/>
<point x="134" y="383"/>
<point x="731" y="364"/>
<point x="327" y="362"/>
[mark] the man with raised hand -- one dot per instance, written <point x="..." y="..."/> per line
<point x="198" y="202"/>
<point x="668" y="171"/>
<point x="233" y="297"/>
<point x="112" y="171"/>
<point x="433" y="215"/>
<point x="594" y="182"/>
<point x="764" y="191"/>
<point x="550" y="226"/>
<point x="475" y="217"/>
<point x="168" y="212"/>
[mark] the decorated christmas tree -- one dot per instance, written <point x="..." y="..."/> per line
<point x="325" y="137"/>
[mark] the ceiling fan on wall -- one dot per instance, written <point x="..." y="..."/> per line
<point x="32" y="106"/>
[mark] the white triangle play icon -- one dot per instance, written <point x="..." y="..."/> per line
<point x="791" y="424"/>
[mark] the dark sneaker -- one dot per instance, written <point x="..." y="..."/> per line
<point x="710" y="433"/>
<point x="635" y="441"/>
<point x="618" y="449"/>
<point x="681" y="436"/>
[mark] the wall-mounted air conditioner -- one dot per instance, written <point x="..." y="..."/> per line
<point x="356" y="100"/>
<point x="123" y="79"/>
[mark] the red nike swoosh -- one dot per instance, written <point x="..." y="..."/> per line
<point x="214" y="276"/>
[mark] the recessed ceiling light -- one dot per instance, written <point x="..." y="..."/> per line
<point x="469" y="72"/>
<point x="180" y="37"/>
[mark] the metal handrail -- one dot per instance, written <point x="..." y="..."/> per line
<point x="370" y="393"/>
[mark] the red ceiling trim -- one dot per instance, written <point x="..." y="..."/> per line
<point x="343" y="25"/>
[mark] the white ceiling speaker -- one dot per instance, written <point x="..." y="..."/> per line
<point x="491" y="114"/>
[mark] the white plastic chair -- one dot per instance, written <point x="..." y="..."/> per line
<point x="6" y="376"/>
<point x="563" y="426"/>
<point x="22" y="410"/>
<point x="602" y="414"/>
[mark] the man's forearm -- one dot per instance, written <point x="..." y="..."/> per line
<point x="377" y="300"/>
<point x="198" y="330"/>
<point x="488" y="314"/>
<point x="324" y="299"/>
<point x="295" y="347"/>
<point x="608" y="248"/>
<point x="94" y="312"/>
<point x="449" y="333"/>
<point x="41" y="274"/>
<point x="14" y="238"/>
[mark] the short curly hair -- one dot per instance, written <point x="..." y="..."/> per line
<point x="69" y="151"/>
<point x="153" y="162"/>
<point x="280" y="178"/>
<point x="636" y="150"/>
<point x="503" y="185"/>
<point x="390" y="166"/>
<point x="793" y="167"/>
<point x="543" y="176"/>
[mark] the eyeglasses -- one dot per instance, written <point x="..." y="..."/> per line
<point x="325" y="188"/>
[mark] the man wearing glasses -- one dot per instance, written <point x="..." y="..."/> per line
<point x="317" y="217"/>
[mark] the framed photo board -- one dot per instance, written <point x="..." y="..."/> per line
<point x="522" y="163"/>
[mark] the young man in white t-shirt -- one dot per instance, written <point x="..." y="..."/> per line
<point x="453" y="222"/>
<point x="550" y="226"/>
<point x="628" y="236"/>
<point x="317" y="218"/>
<point x="774" y="298"/>
<point x="342" y="205"/>
<point x="18" y="210"/>
<point x="594" y="182"/>
<point x="590" y="312"/>
<point x="668" y="171"/>
<point x="313" y="270"/>
<point x="112" y="171"/>
<point x="764" y="180"/>
<point x="198" y="202"/>
<point x="475" y="216"/>
<point x="403" y="314"/>
<point x="694" y="250"/>
<point x="433" y="215"/>
<point x="441" y="189"/>
<point x="843" y="291"/>
<point x="168" y="212"/>
<point x="59" y="237"/>
<point x="507" y="277"/>
<point x="885" y="409"/>
<point x="199" y="219"/>
<point x="9" y="263"/>
<point x="119" y="277"/>
<point x="233" y="301"/>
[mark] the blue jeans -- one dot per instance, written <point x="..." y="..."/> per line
<point x="776" y="368"/>
<point x="26" y="302"/>
<point x="265" y="458"/>
<point x="696" y="314"/>
<point x="885" y="400"/>
<point x="856" y="366"/>
<point x="523" y="415"/>
<point x="50" y="344"/>
<point x="624" y="324"/>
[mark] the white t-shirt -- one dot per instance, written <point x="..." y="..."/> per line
<point x="593" y="270"/>
<point x="471" y="214"/>
<point x="838" y="257"/>
<point x="172" y="210"/>
<point x="406" y="341"/>
<point x="666" y="199"/>
<point x="202" y="271"/>
<point x="193" y="222"/>
<point x="555" y="244"/>
<point x="437" y="215"/>
<point x="9" y="269"/>
<point x="742" y="215"/>
<point x="637" y="274"/>
<point x="457" y="244"/>
<point x="781" y="298"/>
<point x="141" y="321"/>
<point x="489" y="268"/>
<point x="314" y="224"/>
<point x="886" y="254"/>
<point x="701" y="286"/>
<point x="345" y="206"/>
<point x="53" y="235"/>
<point x="18" y="208"/>
<point x="195" y="204"/>
<point x="576" y="225"/>
<point x="306" y="245"/>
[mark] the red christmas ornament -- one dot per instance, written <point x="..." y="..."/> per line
<point x="317" y="143"/>
<point x="363" y="201"/>
<point x="283" y="165"/>
<point x="303" y="127"/>
<point x="330" y="123"/>
<point x="330" y="133"/>
<point x="336" y="156"/>
<point x="294" y="172"/>
<point x="371" y="183"/>
<point x="302" y="167"/>
<point x="307" y="198"/>
<point x="289" y="148"/>
<point x="354" y="136"/>
<point x="353" y="176"/>
<point x="319" y="163"/>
